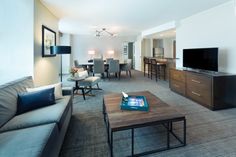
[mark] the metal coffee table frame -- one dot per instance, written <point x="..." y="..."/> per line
<point x="168" y="124"/>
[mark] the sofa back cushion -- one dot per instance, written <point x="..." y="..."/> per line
<point x="8" y="97"/>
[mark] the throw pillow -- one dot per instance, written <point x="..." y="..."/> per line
<point x="34" y="100"/>
<point x="57" y="91"/>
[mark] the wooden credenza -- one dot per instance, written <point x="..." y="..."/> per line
<point x="212" y="90"/>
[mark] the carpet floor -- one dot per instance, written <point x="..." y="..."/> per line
<point x="209" y="133"/>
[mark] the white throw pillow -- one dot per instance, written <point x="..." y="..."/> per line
<point x="57" y="89"/>
<point x="83" y="73"/>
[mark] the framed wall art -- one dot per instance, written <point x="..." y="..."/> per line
<point x="48" y="39"/>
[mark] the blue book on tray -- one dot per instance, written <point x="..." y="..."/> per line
<point x="136" y="103"/>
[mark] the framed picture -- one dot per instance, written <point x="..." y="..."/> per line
<point x="48" y="39"/>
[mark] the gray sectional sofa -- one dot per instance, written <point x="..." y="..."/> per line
<point x="37" y="133"/>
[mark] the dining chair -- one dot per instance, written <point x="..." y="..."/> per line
<point x="76" y="64"/>
<point x="108" y="60"/>
<point x="98" y="67"/>
<point x="114" y="67"/>
<point x="127" y="67"/>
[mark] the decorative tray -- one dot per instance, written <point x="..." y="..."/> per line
<point x="133" y="102"/>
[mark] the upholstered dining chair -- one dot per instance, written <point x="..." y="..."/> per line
<point x="108" y="60"/>
<point x="76" y="64"/>
<point x="98" y="67"/>
<point x="114" y="67"/>
<point x="127" y="67"/>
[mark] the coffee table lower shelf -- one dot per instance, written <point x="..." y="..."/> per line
<point x="167" y="124"/>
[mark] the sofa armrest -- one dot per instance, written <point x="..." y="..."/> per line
<point x="67" y="91"/>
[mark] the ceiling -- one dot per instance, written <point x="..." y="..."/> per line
<point x="124" y="17"/>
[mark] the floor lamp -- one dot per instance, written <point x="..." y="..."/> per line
<point x="60" y="50"/>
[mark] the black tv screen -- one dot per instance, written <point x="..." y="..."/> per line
<point x="201" y="58"/>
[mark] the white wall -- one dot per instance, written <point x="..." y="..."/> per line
<point x="168" y="47"/>
<point x="16" y="39"/>
<point x="46" y="69"/>
<point x="81" y="44"/>
<point x="215" y="27"/>
<point x="138" y="53"/>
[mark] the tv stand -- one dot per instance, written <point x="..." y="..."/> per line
<point x="214" y="90"/>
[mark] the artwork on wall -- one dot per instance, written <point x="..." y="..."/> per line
<point x="48" y="39"/>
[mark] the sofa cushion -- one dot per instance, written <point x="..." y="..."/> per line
<point x="57" y="89"/>
<point x="51" y="114"/>
<point x="34" y="100"/>
<point x="90" y="81"/>
<point x="8" y="97"/>
<point x="30" y="142"/>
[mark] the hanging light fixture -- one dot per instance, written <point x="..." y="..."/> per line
<point x="104" y="30"/>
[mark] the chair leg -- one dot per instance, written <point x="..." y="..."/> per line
<point x="144" y="69"/>
<point x="156" y="72"/>
<point x="90" y="88"/>
<point x="126" y="73"/>
<point x="119" y="75"/>
<point x="97" y="85"/>
<point x="164" y="71"/>
<point x="83" y="93"/>
<point x="129" y="73"/>
<point x="148" y="70"/>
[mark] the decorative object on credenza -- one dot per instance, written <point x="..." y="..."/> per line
<point x="48" y="39"/>
<point x="60" y="50"/>
<point x="104" y="32"/>
<point x="134" y="103"/>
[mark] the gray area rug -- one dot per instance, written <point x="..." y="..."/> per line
<point x="209" y="133"/>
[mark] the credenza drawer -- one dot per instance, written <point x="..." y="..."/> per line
<point x="198" y="81"/>
<point x="199" y="88"/>
<point x="178" y="87"/>
<point x="200" y="96"/>
<point x="177" y="75"/>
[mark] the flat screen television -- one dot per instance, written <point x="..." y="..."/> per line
<point x="201" y="58"/>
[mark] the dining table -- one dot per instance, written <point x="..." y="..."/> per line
<point x="88" y="65"/>
<point x="105" y="63"/>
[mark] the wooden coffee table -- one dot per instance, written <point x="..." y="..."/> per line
<point x="159" y="114"/>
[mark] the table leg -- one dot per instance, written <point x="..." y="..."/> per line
<point x="168" y="135"/>
<point x="132" y="142"/>
<point x="108" y="132"/>
<point x="184" y="132"/>
<point x="111" y="144"/>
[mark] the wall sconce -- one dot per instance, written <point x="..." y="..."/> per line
<point x="91" y="53"/>
<point x="111" y="52"/>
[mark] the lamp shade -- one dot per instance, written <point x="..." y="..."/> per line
<point x="60" y="49"/>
